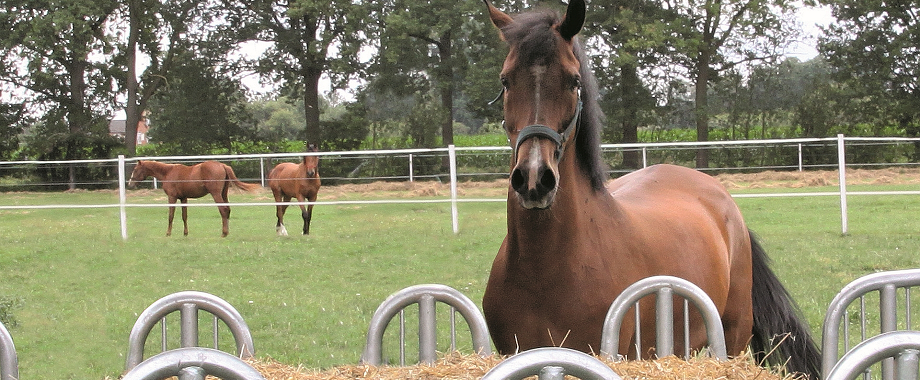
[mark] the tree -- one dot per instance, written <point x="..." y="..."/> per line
<point x="309" y="38"/>
<point x="872" y="48"/>
<point x="718" y="35"/>
<point x="201" y="109"/>
<point x="46" y="54"/>
<point x="157" y="29"/>
<point x="12" y="123"/>
<point x="630" y="36"/>
<point x="428" y="42"/>
<point x="277" y="119"/>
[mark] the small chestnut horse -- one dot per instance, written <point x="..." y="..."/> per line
<point x="289" y="180"/>
<point x="181" y="182"/>
<point x="574" y="242"/>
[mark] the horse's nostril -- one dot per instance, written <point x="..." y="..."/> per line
<point x="548" y="180"/>
<point x="518" y="181"/>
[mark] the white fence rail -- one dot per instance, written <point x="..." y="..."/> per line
<point x="645" y="150"/>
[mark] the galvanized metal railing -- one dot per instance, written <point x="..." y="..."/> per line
<point x="886" y="285"/>
<point x="664" y="287"/>
<point x="9" y="363"/>
<point x="193" y="363"/>
<point x="551" y="363"/>
<point x="902" y="348"/>
<point x="188" y="303"/>
<point x="426" y="296"/>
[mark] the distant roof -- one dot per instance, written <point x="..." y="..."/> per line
<point x="117" y="126"/>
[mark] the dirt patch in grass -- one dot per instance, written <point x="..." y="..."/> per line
<point x="733" y="181"/>
<point x="499" y="188"/>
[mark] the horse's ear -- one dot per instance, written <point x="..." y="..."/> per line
<point x="499" y="18"/>
<point x="573" y="20"/>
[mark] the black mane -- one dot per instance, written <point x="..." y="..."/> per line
<point x="533" y="36"/>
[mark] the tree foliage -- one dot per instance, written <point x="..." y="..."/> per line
<point x="718" y="35"/>
<point x="201" y="109"/>
<point x="307" y="39"/>
<point x="873" y="47"/>
<point x="51" y="53"/>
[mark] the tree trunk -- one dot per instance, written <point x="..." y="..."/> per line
<point x="447" y="93"/>
<point x="629" y="91"/>
<point x="77" y="114"/>
<point x="701" y="108"/>
<point x="311" y="106"/>
<point x="447" y="88"/>
<point x="132" y="114"/>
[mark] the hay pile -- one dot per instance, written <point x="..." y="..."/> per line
<point x="456" y="366"/>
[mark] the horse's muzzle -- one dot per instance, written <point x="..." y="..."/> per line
<point x="535" y="177"/>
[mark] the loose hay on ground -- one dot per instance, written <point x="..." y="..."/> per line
<point x="470" y="367"/>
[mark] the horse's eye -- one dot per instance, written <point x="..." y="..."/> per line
<point x="504" y="82"/>
<point x="576" y="83"/>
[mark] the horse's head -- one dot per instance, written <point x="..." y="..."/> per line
<point x="541" y="85"/>
<point x="140" y="173"/>
<point x="311" y="164"/>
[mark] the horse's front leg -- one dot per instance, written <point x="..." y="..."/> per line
<point x="172" y="212"/>
<point x="306" y="213"/>
<point x="279" y="213"/>
<point x="184" y="216"/>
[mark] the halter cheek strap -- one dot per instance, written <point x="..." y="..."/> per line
<point x="559" y="139"/>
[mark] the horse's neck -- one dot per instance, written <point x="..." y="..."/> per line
<point x="547" y="232"/>
<point x="158" y="170"/>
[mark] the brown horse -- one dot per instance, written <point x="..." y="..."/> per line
<point x="181" y="182"/>
<point x="289" y="180"/>
<point x="574" y="243"/>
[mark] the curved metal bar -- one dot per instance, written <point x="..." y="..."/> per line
<point x="610" y="336"/>
<point x="884" y="283"/>
<point x="188" y="302"/>
<point x="195" y="360"/>
<point x="532" y="362"/>
<point x="425" y="295"/>
<point x="9" y="362"/>
<point x="901" y="345"/>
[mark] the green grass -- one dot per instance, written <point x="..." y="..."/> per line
<point x="308" y="300"/>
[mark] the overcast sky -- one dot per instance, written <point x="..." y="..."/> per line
<point x="811" y="19"/>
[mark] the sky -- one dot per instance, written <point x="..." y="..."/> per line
<point x="811" y="19"/>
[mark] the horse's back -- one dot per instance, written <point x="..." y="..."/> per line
<point x="284" y="179"/>
<point x="280" y="172"/>
<point x="677" y="193"/>
<point x="657" y="181"/>
<point x="690" y="226"/>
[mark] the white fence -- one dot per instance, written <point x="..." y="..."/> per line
<point x="650" y="153"/>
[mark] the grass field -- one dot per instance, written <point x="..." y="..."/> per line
<point x="308" y="299"/>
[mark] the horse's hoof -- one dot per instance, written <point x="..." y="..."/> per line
<point x="281" y="231"/>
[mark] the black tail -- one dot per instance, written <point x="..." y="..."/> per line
<point x="781" y="337"/>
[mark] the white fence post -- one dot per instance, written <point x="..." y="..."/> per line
<point x="452" y="153"/>
<point x="411" y="169"/>
<point x="262" y="171"/>
<point x="122" y="196"/>
<point x="842" y="172"/>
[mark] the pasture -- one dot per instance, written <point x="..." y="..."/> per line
<point x="308" y="299"/>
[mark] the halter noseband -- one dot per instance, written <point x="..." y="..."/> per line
<point x="537" y="130"/>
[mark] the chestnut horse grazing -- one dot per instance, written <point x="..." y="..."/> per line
<point x="181" y="182"/>
<point x="289" y="180"/>
<point x="574" y="242"/>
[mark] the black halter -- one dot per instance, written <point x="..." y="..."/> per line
<point x="537" y="130"/>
